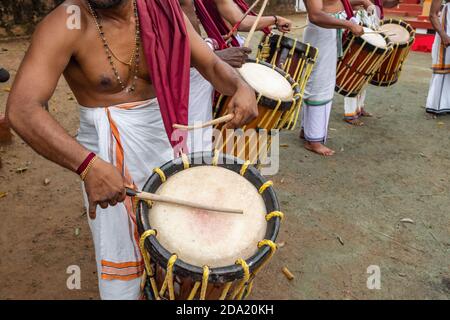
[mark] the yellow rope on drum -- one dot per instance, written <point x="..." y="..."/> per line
<point x="266" y="185"/>
<point x="274" y="214"/>
<point x="204" y="283"/>
<point x="148" y="266"/>
<point x="168" y="281"/>
<point x="273" y="249"/>
<point x="244" y="167"/>
<point x="185" y="160"/>
<point x="225" y="290"/>
<point x="238" y="292"/>
<point x="161" y="174"/>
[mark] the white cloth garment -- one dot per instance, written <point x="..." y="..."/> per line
<point x="200" y="111"/>
<point x="439" y="93"/>
<point x="145" y="146"/>
<point x="352" y="106"/>
<point x="319" y="90"/>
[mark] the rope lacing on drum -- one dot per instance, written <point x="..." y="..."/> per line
<point x="161" y="174"/>
<point x="274" y="214"/>
<point x="238" y="292"/>
<point x="168" y="281"/>
<point x="244" y="168"/>
<point x="185" y="159"/>
<point x="265" y="186"/>
<point x="148" y="266"/>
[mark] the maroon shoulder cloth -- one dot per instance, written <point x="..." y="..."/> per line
<point x="213" y="23"/>
<point x="167" y="52"/>
<point x="348" y="8"/>
<point x="379" y="4"/>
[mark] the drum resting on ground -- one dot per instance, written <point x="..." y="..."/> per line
<point x="196" y="254"/>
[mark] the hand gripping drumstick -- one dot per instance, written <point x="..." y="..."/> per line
<point x="226" y="118"/>
<point x="236" y="26"/>
<point x="252" y="30"/>
<point x="159" y="198"/>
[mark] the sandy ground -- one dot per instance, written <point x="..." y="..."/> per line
<point x="343" y="213"/>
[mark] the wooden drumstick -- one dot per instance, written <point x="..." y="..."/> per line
<point x="236" y="26"/>
<point x="252" y="30"/>
<point x="225" y="118"/>
<point x="165" y="199"/>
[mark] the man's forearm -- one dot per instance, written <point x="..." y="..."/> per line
<point x="38" y="128"/>
<point x="325" y="20"/>
<point x="264" y="22"/>
<point x="224" y="78"/>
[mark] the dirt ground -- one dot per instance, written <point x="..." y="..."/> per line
<point x="343" y="213"/>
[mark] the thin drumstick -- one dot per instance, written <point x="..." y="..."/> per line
<point x="165" y="199"/>
<point x="299" y="27"/>
<point x="252" y="30"/>
<point x="236" y="26"/>
<point x="225" y="118"/>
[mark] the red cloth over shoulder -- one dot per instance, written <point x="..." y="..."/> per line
<point x="167" y="52"/>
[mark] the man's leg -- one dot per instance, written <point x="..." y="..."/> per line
<point x="351" y="107"/>
<point x="315" y="126"/>
<point x="362" y="105"/>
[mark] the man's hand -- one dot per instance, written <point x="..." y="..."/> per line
<point x="356" y="29"/>
<point x="234" y="56"/>
<point x="104" y="186"/>
<point x="243" y="105"/>
<point x="283" y="24"/>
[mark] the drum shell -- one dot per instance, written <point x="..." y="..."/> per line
<point x="270" y="116"/>
<point x="353" y="73"/>
<point x="389" y="71"/>
<point x="186" y="274"/>
<point x="281" y="49"/>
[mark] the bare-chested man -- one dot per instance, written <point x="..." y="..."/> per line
<point x="323" y="32"/>
<point x="438" y="101"/>
<point x="120" y="120"/>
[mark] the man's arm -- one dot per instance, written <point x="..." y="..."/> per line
<point x="51" y="49"/>
<point x="318" y="16"/>
<point x="224" y="78"/>
<point x="435" y="21"/>
<point x="233" y="14"/>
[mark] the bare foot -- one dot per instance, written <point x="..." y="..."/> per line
<point x="364" y="113"/>
<point x="318" y="148"/>
<point x="354" y="122"/>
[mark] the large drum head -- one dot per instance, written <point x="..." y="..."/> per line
<point x="396" y="33"/>
<point x="267" y="81"/>
<point x="374" y="39"/>
<point x="201" y="237"/>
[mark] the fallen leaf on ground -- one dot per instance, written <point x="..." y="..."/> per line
<point x="21" y="170"/>
<point x="3" y="194"/>
<point x="46" y="181"/>
<point x="407" y="220"/>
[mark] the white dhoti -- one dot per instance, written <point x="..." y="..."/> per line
<point x="132" y="137"/>
<point x="353" y="106"/>
<point x="439" y="93"/>
<point x="319" y="90"/>
<point x="200" y="111"/>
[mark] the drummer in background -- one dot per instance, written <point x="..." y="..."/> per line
<point x="124" y="129"/>
<point x="325" y="21"/>
<point x="201" y="91"/>
<point x="438" y="101"/>
<point x="354" y="107"/>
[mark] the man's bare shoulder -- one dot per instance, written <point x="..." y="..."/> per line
<point x="67" y="20"/>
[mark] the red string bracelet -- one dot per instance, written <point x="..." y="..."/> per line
<point x="85" y="163"/>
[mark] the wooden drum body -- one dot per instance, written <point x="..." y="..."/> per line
<point x="278" y="97"/>
<point x="362" y="57"/>
<point x="292" y="56"/>
<point x="197" y="254"/>
<point x="402" y="36"/>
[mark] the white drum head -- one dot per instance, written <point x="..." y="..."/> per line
<point x="267" y="81"/>
<point x="201" y="237"/>
<point x="396" y="33"/>
<point x="374" y="39"/>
